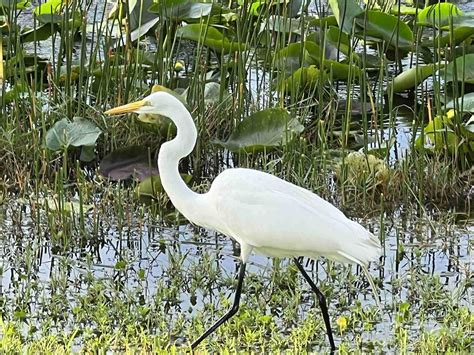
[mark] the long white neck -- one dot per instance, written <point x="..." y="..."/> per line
<point x="182" y="197"/>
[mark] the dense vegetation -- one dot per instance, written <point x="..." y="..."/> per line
<point x="369" y="105"/>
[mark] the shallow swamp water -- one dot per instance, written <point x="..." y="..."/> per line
<point x="125" y="265"/>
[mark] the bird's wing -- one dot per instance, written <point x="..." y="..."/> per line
<point x="282" y="219"/>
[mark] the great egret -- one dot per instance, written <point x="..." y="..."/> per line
<point x="261" y="212"/>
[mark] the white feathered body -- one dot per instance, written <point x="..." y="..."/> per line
<point x="280" y="219"/>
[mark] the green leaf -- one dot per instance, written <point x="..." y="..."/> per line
<point x="139" y="19"/>
<point x="297" y="55"/>
<point x="345" y="11"/>
<point x="386" y="27"/>
<point x="463" y="104"/>
<point x="40" y="33"/>
<point x="182" y="10"/>
<point x="403" y="10"/>
<point x="151" y="187"/>
<point x="78" y="133"/>
<point x="410" y="78"/>
<point x="303" y="79"/>
<point x="212" y="92"/>
<point x="16" y="4"/>
<point x="460" y="69"/>
<point x="210" y="37"/>
<point x="437" y="135"/>
<point x="454" y="38"/>
<point x="342" y="71"/>
<point x="120" y="265"/>
<point x="282" y="24"/>
<point x="381" y="151"/>
<point x="263" y="130"/>
<point x="324" y="22"/>
<point x="438" y="15"/>
<point x="49" y="12"/>
<point x="54" y="203"/>
<point x="340" y="40"/>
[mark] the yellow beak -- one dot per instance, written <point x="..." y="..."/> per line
<point x="126" y="108"/>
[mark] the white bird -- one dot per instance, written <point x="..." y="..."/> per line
<point x="262" y="212"/>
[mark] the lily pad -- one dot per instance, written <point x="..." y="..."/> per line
<point x="16" y="4"/>
<point x="303" y="79"/>
<point x="212" y="93"/>
<point x="463" y="104"/>
<point x="64" y="133"/>
<point x="74" y="206"/>
<point x="342" y="71"/>
<point x="151" y="187"/>
<point x="438" y="15"/>
<point x="182" y="10"/>
<point x="210" y="37"/>
<point x="324" y="22"/>
<point x="297" y="55"/>
<point x="460" y="69"/>
<point x="40" y="33"/>
<point x="345" y="12"/>
<point x="410" y="78"/>
<point x="448" y="133"/>
<point x="403" y="10"/>
<point x="50" y="11"/>
<point x="125" y="163"/>
<point x="282" y="24"/>
<point x="386" y="27"/>
<point x="437" y="135"/>
<point x="263" y="130"/>
<point x="458" y="35"/>
<point x="340" y="40"/>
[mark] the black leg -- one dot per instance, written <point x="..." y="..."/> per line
<point x="322" y="303"/>
<point x="230" y="313"/>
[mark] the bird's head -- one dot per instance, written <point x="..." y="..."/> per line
<point x="159" y="103"/>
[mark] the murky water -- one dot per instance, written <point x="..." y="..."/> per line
<point x="32" y="265"/>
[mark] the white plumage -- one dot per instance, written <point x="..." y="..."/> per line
<point x="277" y="218"/>
<point x="263" y="213"/>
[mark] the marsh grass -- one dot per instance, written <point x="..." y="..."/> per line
<point x="88" y="268"/>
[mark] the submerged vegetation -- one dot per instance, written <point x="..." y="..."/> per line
<point x="368" y="104"/>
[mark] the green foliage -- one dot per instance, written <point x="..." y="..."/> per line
<point x="345" y="12"/>
<point x="210" y="37"/>
<point x="363" y="171"/>
<point x="16" y="4"/>
<point x="411" y="78"/>
<point x="438" y="15"/>
<point x="263" y="131"/>
<point x="151" y="188"/>
<point x="446" y="133"/>
<point x="463" y="104"/>
<point x="182" y="10"/>
<point x="386" y="27"/>
<point x="78" y="133"/>
<point x="460" y="69"/>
